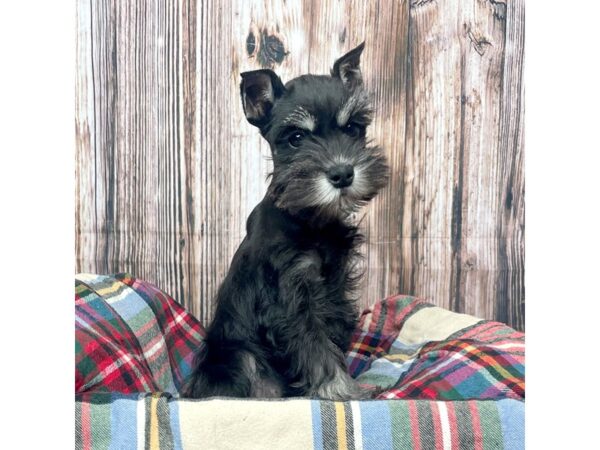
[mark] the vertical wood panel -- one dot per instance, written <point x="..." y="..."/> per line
<point x="135" y="179"/>
<point x="168" y="169"/>
<point x="461" y="250"/>
<point x="85" y="214"/>
<point x="510" y="286"/>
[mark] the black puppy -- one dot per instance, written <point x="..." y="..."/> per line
<point x="285" y="312"/>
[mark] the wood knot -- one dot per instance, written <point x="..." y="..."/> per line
<point x="470" y="264"/>
<point x="478" y="40"/>
<point x="251" y="44"/>
<point x="268" y="48"/>
<point x="418" y="3"/>
<point x="499" y="9"/>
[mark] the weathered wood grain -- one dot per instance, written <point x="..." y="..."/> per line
<point x="461" y="241"/>
<point x="135" y="179"/>
<point x="168" y="169"/>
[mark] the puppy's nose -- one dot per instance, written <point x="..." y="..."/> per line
<point x="341" y="176"/>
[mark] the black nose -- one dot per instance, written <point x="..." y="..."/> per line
<point x="341" y="176"/>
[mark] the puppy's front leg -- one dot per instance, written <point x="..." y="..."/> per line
<point x="315" y="365"/>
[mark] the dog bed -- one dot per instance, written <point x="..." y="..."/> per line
<point x="449" y="381"/>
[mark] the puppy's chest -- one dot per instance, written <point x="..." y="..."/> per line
<point x="332" y="261"/>
<point x="327" y="256"/>
<point x="331" y="249"/>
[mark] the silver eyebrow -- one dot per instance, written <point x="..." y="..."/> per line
<point x="301" y="118"/>
<point x="358" y="102"/>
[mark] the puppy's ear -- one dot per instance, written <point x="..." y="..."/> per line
<point x="347" y="68"/>
<point x="259" y="90"/>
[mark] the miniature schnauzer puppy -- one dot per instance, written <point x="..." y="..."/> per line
<point x="285" y="313"/>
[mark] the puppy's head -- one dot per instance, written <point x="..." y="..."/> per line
<point x="316" y="127"/>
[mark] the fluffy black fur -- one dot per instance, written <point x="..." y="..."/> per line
<point x="285" y="312"/>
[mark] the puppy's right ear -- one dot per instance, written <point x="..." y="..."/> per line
<point x="259" y="90"/>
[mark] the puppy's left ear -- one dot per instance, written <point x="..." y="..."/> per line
<point x="347" y="68"/>
<point x="259" y="89"/>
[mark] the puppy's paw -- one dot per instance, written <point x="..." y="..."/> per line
<point x="342" y="388"/>
<point x="376" y="391"/>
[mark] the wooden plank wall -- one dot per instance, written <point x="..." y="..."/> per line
<point x="168" y="169"/>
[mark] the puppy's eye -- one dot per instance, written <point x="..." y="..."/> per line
<point x="295" y="138"/>
<point x="353" y="129"/>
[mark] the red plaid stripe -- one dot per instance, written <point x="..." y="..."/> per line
<point x="109" y="357"/>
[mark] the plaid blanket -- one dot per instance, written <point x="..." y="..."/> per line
<point x="130" y="336"/>
<point x="133" y="340"/>
<point x="414" y="349"/>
